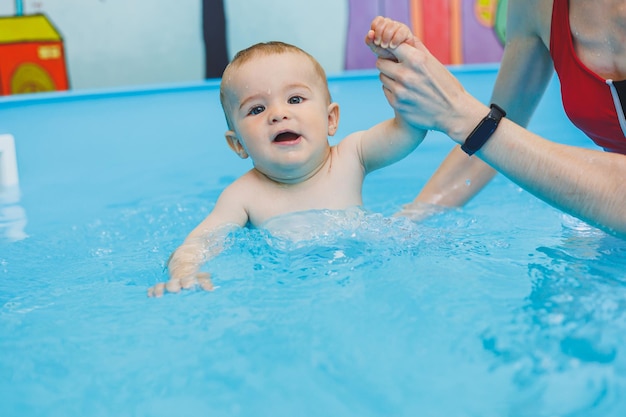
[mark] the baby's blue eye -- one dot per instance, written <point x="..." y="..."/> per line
<point x="256" y="110"/>
<point x="295" y="100"/>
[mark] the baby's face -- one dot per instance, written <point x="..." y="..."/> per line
<point x="281" y="114"/>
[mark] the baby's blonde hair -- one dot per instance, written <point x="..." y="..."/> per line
<point x="264" y="49"/>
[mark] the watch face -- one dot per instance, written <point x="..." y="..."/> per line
<point x="484" y="130"/>
<point x="479" y="136"/>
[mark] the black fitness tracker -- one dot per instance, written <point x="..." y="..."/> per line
<point x="484" y="130"/>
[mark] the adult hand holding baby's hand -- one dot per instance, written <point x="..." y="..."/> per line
<point x="417" y="85"/>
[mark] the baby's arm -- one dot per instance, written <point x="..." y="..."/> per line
<point x="203" y="243"/>
<point x="386" y="143"/>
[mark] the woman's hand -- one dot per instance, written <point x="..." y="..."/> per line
<point x="426" y="94"/>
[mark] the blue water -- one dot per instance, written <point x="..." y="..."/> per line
<point x="380" y="317"/>
<point x="506" y="307"/>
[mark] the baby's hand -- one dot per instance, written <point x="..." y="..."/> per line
<point x="386" y="34"/>
<point x="200" y="279"/>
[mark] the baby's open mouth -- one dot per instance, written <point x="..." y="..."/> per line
<point x="286" y="137"/>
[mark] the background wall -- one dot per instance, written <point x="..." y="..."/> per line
<point x="317" y="26"/>
<point x="110" y="43"/>
<point x="121" y="42"/>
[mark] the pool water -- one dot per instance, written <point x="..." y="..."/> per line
<point x="506" y="307"/>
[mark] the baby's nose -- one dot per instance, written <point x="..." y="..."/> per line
<point x="278" y="114"/>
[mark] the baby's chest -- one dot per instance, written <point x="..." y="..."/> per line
<point x="280" y="200"/>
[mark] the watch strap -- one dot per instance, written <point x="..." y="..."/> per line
<point x="483" y="131"/>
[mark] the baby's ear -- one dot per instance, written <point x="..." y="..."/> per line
<point x="235" y="144"/>
<point x="333" y="118"/>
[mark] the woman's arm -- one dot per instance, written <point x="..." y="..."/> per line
<point x="525" y="70"/>
<point x="588" y="184"/>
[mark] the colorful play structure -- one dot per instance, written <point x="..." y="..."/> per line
<point x="455" y="31"/>
<point x="32" y="56"/>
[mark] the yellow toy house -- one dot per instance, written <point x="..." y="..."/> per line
<point x="32" y="57"/>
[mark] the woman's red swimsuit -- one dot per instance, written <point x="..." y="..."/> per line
<point x="595" y="105"/>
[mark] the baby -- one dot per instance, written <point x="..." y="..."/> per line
<point x="280" y="114"/>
